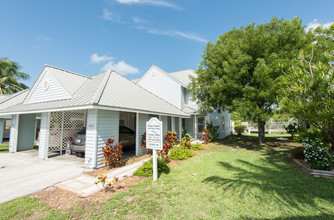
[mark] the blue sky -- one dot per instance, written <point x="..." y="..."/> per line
<point x="129" y="36"/>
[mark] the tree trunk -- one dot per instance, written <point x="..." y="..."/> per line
<point x="261" y="131"/>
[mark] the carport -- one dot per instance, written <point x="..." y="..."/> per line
<point x="100" y="103"/>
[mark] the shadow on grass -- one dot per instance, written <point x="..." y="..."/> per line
<point x="276" y="180"/>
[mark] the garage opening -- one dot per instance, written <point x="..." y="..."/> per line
<point x="64" y="125"/>
<point x="127" y="133"/>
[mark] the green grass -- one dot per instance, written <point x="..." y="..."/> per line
<point x="236" y="179"/>
<point x="273" y="134"/>
<point x="4" y="148"/>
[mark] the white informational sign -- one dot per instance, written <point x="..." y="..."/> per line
<point x="154" y="134"/>
<point x="154" y="141"/>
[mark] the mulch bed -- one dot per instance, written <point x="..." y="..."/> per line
<point x="62" y="199"/>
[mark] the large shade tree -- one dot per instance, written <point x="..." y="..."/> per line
<point x="240" y="72"/>
<point x="10" y="75"/>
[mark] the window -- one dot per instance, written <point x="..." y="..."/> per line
<point x="183" y="123"/>
<point x="200" y="123"/>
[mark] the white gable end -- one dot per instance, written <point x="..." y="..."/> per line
<point x="47" y="89"/>
<point x="162" y="85"/>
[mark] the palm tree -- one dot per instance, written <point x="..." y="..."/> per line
<point x="9" y="77"/>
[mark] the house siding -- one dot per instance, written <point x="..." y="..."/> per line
<point x="216" y="119"/>
<point x="190" y="126"/>
<point x="25" y="140"/>
<point x="163" y="86"/>
<point x="54" y="92"/>
<point x="143" y="118"/>
<point x="164" y="125"/>
<point x="91" y="139"/>
<point x="107" y="127"/>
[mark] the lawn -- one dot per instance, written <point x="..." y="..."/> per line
<point x="4" y="148"/>
<point x="236" y="179"/>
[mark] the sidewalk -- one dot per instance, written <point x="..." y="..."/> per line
<point x="84" y="185"/>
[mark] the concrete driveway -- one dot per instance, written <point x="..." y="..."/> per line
<point x="23" y="173"/>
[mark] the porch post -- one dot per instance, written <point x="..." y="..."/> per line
<point x="180" y="128"/>
<point x="14" y="128"/>
<point x="195" y="126"/>
<point x="137" y="134"/>
<point x="43" y="150"/>
<point x="173" y="124"/>
<point x="2" y="128"/>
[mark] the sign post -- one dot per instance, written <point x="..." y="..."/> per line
<point x="154" y="141"/>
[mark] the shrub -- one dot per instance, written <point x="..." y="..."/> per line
<point x="170" y="141"/>
<point x="291" y="129"/>
<point x="311" y="133"/>
<point x="185" y="143"/>
<point x="147" y="168"/>
<point x="197" y="146"/>
<point x="213" y="131"/>
<point x="112" y="153"/>
<point x="239" y="129"/>
<point x="143" y="140"/>
<point x="206" y="136"/>
<point x="179" y="153"/>
<point x="317" y="154"/>
<point x="186" y="135"/>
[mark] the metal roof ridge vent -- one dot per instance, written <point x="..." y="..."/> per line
<point x="101" y="88"/>
<point x="47" y="65"/>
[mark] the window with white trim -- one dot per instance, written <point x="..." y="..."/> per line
<point x="200" y="124"/>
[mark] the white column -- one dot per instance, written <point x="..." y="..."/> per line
<point x="137" y="134"/>
<point x="2" y="128"/>
<point x="14" y="128"/>
<point x="43" y="150"/>
<point x="173" y="124"/>
<point x="195" y="126"/>
<point x="180" y="128"/>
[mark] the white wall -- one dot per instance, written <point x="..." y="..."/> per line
<point x="54" y="92"/>
<point x="26" y="132"/>
<point x="107" y="127"/>
<point x="216" y="119"/>
<point x="161" y="85"/>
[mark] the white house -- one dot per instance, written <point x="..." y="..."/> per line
<point x="172" y="87"/>
<point x="67" y="102"/>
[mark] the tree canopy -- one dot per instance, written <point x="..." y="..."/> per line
<point x="240" y="72"/>
<point x="308" y="86"/>
<point x="10" y="76"/>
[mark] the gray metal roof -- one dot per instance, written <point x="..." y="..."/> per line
<point x="183" y="76"/>
<point x="108" y="89"/>
<point x="190" y="111"/>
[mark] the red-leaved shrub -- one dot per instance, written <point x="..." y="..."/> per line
<point x="206" y="136"/>
<point x="112" y="153"/>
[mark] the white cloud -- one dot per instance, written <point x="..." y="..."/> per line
<point x="190" y="36"/>
<point x="42" y="38"/>
<point x="150" y="2"/>
<point x="121" y="67"/>
<point x="138" y="20"/>
<point x="95" y="58"/>
<point x="109" y="16"/>
<point x="315" y="24"/>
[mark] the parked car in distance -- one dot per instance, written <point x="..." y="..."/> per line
<point x="126" y="136"/>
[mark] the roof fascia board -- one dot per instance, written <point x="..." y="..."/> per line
<point x="163" y="72"/>
<point x="33" y="88"/>
<point x="93" y="107"/>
